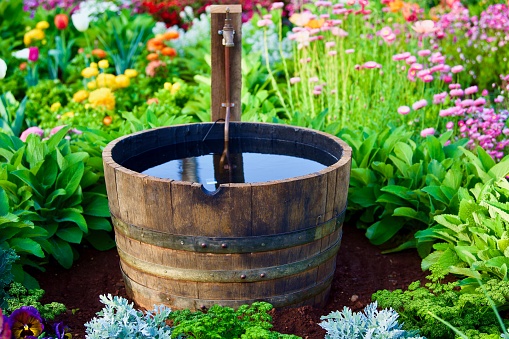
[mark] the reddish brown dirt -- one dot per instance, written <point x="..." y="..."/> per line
<point x="361" y="271"/>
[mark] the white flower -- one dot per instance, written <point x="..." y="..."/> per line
<point x="3" y="69"/>
<point x="22" y="54"/>
<point x="81" y="20"/>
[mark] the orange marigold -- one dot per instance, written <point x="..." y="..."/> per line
<point x="99" y="53"/>
<point x="152" y="56"/>
<point x="168" y="51"/>
<point x="154" y="45"/>
<point x="170" y="35"/>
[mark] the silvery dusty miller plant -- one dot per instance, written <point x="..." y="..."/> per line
<point x="119" y="319"/>
<point x="371" y="324"/>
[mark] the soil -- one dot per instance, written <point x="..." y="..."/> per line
<point x="361" y="270"/>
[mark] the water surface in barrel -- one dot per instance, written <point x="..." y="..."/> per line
<point x="248" y="161"/>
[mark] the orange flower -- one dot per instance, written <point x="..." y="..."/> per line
<point x="61" y="21"/>
<point x="170" y="35"/>
<point x="99" y="53"/>
<point x="22" y="66"/>
<point x="168" y="51"/>
<point x="314" y="23"/>
<point x="107" y="120"/>
<point x="396" y="5"/>
<point x="152" y="56"/>
<point x="155" y="44"/>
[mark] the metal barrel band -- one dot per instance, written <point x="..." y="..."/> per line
<point x="228" y="276"/>
<point x="276" y="300"/>
<point x="248" y="244"/>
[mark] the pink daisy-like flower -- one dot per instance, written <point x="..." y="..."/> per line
<point x="31" y="130"/>
<point x="419" y="104"/>
<point x="294" y="80"/>
<point x="427" y="131"/>
<point x="403" y="110"/>
<point x="349" y="51"/>
<point x="471" y="90"/>
<point x="371" y="64"/>
<point x="457" y="69"/>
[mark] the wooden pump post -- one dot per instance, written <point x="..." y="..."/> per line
<point x="218" y="86"/>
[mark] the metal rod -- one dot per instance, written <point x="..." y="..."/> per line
<point x="227" y="33"/>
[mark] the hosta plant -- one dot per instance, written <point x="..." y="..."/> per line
<point x="52" y="197"/>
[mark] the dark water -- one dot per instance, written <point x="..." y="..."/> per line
<point x="248" y="161"/>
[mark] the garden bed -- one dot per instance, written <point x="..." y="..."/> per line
<point x="361" y="271"/>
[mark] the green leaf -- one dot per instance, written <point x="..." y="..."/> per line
<point x="500" y="170"/>
<point x="486" y="160"/>
<point x="26" y="245"/>
<point x="70" y="234"/>
<point x="62" y="252"/>
<point x="55" y="139"/>
<point x="383" y="230"/>
<point x="363" y="196"/>
<point x="47" y="173"/>
<point x="28" y="178"/>
<point x="72" y="215"/>
<point x="101" y="241"/>
<point x="4" y="202"/>
<point x="365" y="151"/>
<point x="404" y="152"/>
<point x="437" y="193"/>
<point x="387" y="170"/>
<point x="391" y="199"/>
<point x="97" y="207"/>
<point x="434" y="148"/>
<point x="362" y="177"/>
<point x="69" y="179"/>
<point x="98" y="224"/>
<point x="411" y="213"/>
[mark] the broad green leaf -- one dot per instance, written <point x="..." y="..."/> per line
<point x="72" y="215"/>
<point x="400" y="165"/>
<point x="391" y="199"/>
<point x="47" y="173"/>
<point x="404" y="152"/>
<point x="453" y="178"/>
<point x="436" y="193"/>
<point x="500" y="170"/>
<point x="69" y="179"/>
<point x="98" y="207"/>
<point x="70" y="234"/>
<point x="486" y="160"/>
<point x="55" y="139"/>
<point x="467" y="253"/>
<point x="50" y="200"/>
<point x="62" y="252"/>
<point x="401" y="191"/>
<point x="362" y="177"/>
<point x="98" y="224"/>
<point x="35" y="150"/>
<point x="383" y="230"/>
<point x="434" y="148"/>
<point x="28" y="178"/>
<point x="4" y="202"/>
<point x="387" y="170"/>
<point x="76" y="157"/>
<point x="26" y="245"/>
<point x="101" y="241"/>
<point x="363" y="158"/>
<point x="411" y="213"/>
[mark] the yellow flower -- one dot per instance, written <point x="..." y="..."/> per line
<point x="315" y="23"/>
<point x="131" y="73"/>
<point x="80" y="95"/>
<point x="122" y="81"/>
<point x="167" y="86"/>
<point x="34" y="34"/>
<point x="102" y="97"/>
<point x="175" y="88"/>
<point x="106" y="80"/>
<point x="93" y="64"/>
<point x="66" y="115"/>
<point x="103" y="64"/>
<point x="89" y="72"/>
<point x="55" y="106"/>
<point x="42" y="25"/>
<point x="92" y="85"/>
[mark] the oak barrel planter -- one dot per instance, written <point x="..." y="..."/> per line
<point x="184" y="247"/>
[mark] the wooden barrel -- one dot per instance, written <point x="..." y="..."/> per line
<point x="184" y="247"/>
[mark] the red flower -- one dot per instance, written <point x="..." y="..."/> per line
<point x="61" y="21"/>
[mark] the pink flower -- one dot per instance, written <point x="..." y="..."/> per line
<point x="457" y="69"/>
<point x="427" y="131"/>
<point x="427" y="78"/>
<point x="54" y="130"/>
<point x="499" y="99"/>
<point x="339" y="32"/>
<point x="419" y="104"/>
<point x="403" y="110"/>
<point x="471" y="90"/>
<point x="424" y="26"/>
<point x="479" y="102"/>
<point x="454" y="86"/>
<point x="484" y="92"/>
<point x="294" y="80"/>
<point x="385" y="32"/>
<point x="371" y="64"/>
<point x="349" y="51"/>
<point x="330" y="44"/>
<point x="31" y="130"/>
<point x="410" y="60"/>
<point x="277" y="5"/>
<point x="264" y="23"/>
<point x="401" y="56"/>
<point x="456" y="93"/>
<point x="332" y="53"/>
<point x="447" y="79"/>
<point x="424" y="52"/>
<point x="33" y="54"/>
<point x="313" y="79"/>
<point x="449" y="125"/>
<point x="439" y="98"/>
